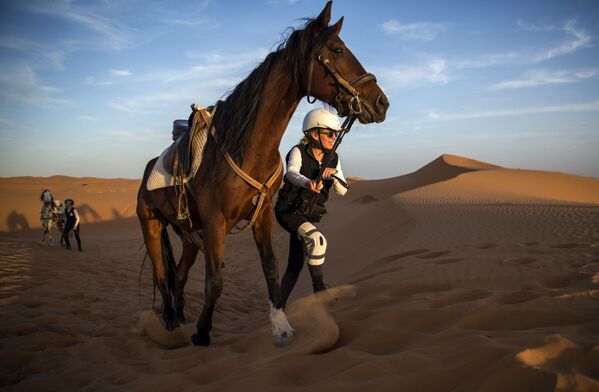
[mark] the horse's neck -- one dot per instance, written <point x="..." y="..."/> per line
<point x="278" y="103"/>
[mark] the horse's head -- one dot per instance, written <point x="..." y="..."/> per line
<point x="335" y="75"/>
<point x="46" y="196"/>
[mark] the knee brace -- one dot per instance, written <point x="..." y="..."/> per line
<point x="314" y="243"/>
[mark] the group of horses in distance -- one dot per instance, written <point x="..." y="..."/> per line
<point x="248" y="125"/>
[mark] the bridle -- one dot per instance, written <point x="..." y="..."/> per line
<point x="343" y="86"/>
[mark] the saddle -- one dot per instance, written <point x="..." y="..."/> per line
<point x="179" y="156"/>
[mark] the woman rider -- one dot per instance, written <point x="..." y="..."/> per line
<point x="71" y="223"/>
<point x="306" y="242"/>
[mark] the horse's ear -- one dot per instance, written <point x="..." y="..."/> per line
<point x="337" y="26"/>
<point x="321" y="23"/>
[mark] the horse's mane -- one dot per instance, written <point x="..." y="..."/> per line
<point x="236" y="115"/>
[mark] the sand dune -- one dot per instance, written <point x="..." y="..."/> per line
<point x="467" y="277"/>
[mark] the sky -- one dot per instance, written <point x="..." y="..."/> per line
<point x="90" y="88"/>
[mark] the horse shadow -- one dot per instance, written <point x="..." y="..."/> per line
<point x="88" y="214"/>
<point x="17" y="222"/>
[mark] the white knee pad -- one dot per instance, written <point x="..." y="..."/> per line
<point x="314" y="242"/>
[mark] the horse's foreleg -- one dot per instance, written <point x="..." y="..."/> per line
<point x="283" y="332"/>
<point x="188" y="258"/>
<point x="152" y="232"/>
<point x="50" y="233"/>
<point x="214" y="246"/>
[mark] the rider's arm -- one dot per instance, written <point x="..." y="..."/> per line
<point x="339" y="181"/>
<point x="294" y="165"/>
<point x="76" y="218"/>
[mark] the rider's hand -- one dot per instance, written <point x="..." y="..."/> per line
<point x="328" y="172"/>
<point x="314" y="187"/>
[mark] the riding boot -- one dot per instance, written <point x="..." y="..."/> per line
<point x="317" y="277"/>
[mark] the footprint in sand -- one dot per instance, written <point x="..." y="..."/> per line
<point x="515" y="297"/>
<point x="434" y="255"/>
<point x="450" y="260"/>
<point x="567" y="245"/>
<point x="524" y="260"/>
<point x="563" y="280"/>
<point x="316" y="330"/>
<point x="456" y="298"/>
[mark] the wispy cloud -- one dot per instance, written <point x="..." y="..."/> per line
<point x="20" y="84"/>
<point x="120" y="72"/>
<point x="592" y="106"/>
<point x="204" y="22"/>
<point x="435" y="71"/>
<point x="575" y="38"/>
<point x="112" y="33"/>
<point x="579" y="38"/>
<point x="526" y="26"/>
<point x="37" y="53"/>
<point x="282" y="2"/>
<point x="543" y="78"/>
<point x="420" y="31"/>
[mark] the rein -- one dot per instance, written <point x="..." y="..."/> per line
<point x="354" y="104"/>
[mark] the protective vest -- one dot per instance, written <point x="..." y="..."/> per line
<point x="70" y="217"/>
<point x="293" y="198"/>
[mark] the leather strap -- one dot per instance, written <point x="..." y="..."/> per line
<point x="262" y="188"/>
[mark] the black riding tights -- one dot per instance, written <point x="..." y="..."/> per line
<point x="65" y="236"/>
<point x="295" y="263"/>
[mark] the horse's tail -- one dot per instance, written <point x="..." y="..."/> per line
<point x="169" y="261"/>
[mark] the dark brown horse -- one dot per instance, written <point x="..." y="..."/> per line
<point x="249" y="125"/>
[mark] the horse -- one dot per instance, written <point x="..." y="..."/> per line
<point x="48" y="215"/>
<point x="246" y="130"/>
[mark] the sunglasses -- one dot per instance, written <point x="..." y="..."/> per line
<point x="330" y="133"/>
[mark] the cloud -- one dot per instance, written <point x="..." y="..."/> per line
<point x="282" y="2"/>
<point x="205" y="22"/>
<point x="39" y="54"/>
<point x="592" y="106"/>
<point x="578" y="39"/>
<point x="435" y="71"/>
<point x="113" y="34"/>
<point x="205" y="82"/>
<point x="575" y="39"/>
<point x="19" y="83"/>
<point x="120" y="72"/>
<point x="421" y="31"/>
<point x="544" y="78"/>
<point x="93" y="81"/>
<point x="525" y="26"/>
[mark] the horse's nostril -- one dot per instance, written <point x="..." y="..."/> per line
<point x="382" y="103"/>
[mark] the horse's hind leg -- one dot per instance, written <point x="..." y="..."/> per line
<point x="282" y="332"/>
<point x="152" y="229"/>
<point x="214" y="247"/>
<point x="188" y="258"/>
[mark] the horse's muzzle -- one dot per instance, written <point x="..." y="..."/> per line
<point x="374" y="113"/>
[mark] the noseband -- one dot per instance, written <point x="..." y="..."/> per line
<point x="354" y="105"/>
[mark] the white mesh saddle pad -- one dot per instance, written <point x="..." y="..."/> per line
<point x="160" y="178"/>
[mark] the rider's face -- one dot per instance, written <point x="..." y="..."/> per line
<point x="327" y="137"/>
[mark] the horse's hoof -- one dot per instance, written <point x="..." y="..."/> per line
<point x="285" y="339"/>
<point x="200" y="340"/>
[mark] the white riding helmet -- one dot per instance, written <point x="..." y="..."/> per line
<point x="321" y="118"/>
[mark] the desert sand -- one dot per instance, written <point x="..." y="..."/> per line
<point x="461" y="276"/>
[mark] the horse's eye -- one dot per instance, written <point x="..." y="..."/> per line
<point x="338" y="51"/>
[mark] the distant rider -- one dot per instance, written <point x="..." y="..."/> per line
<point x="306" y="242"/>
<point x="71" y="223"/>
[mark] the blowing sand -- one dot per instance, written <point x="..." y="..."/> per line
<point x="461" y="276"/>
